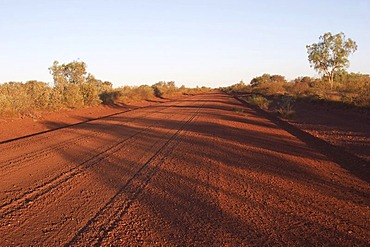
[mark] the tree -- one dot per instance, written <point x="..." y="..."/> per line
<point x="74" y="87"/>
<point x="277" y="78"/>
<point x="267" y="79"/>
<point x="269" y="84"/>
<point x="256" y="81"/>
<point x="331" y="54"/>
<point x="73" y="73"/>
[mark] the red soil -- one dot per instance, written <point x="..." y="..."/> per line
<point x="345" y="128"/>
<point x="203" y="170"/>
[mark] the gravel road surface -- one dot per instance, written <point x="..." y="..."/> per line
<point x="202" y="170"/>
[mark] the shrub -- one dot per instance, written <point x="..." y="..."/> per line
<point x="39" y="92"/>
<point x="72" y="96"/>
<point x="110" y="97"/>
<point x="363" y="97"/>
<point x="90" y="94"/>
<point x="56" y="101"/>
<point x="300" y="88"/>
<point x="268" y="84"/>
<point x="286" y="107"/>
<point x="162" y="89"/>
<point x="6" y="108"/>
<point x="134" y="93"/>
<point x="237" y="88"/>
<point x="144" y="92"/>
<point x="15" y="99"/>
<point x="74" y="88"/>
<point x="259" y="101"/>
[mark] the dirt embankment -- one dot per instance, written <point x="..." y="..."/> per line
<point x="339" y="133"/>
<point x="11" y="128"/>
<point x="345" y="128"/>
<point x="193" y="171"/>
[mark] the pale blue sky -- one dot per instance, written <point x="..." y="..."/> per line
<point x="203" y="42"/>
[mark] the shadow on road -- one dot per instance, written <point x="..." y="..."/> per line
<point x="199" y="172"/>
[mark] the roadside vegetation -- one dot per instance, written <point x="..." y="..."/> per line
<point x="336" y="86"/>
<point x="274" y="92"/>
<point x="74" y="87"/>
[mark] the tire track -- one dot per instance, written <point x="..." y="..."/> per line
<point x="39" y="154"/>
<point x="23" y="141"/>
<point x="211" y="181"/>
<point x="31" y="158"/>
<point x="108" y="216"/>
<point x="32" y="194"/>
<point x="76" y="124"/>
<point x="28" y="140"/>
<point x="38" y="134"/>
<point x="70" y="190"/>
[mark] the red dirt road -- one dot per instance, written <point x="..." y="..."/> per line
<point x="202" y="170"/>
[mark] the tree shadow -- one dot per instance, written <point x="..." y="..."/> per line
<point x="354" y="164"/>
<point x="204" y="175"/>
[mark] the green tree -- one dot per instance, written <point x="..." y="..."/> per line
<point x="73" y="73"/>
<point x="331" y="54"/>
<point x="74" y="87"/>
<point x="257" y="81"/>
<point x="267" y="79"/>
<point x="268" y="84"/>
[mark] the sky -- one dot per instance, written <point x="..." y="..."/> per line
<point x="192" y="42"/>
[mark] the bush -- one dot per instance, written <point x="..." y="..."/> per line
<point x="90" y="94"/>
<point x="286" y="107"/>
<point x="189" y="91"/>
<point x="162" y="89"/>
<point x="268" y="84"/>
<point x="273" y="88"/>
<point x="6" y="108"/>
<point x="72" y="96"/>
<point x="39" y="93"/>
<point x="362" y="99"/>
<point x="110" y="97"/>
<point x="15" y="99"/>
<point x="74" y="88"/>
<point x="56" y="101"/>
<point x="259" y="101"/>
<point x="132" y="93"/>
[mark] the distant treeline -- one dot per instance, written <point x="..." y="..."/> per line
<point x="348" y="88"/>
<point x="75" y="88"/>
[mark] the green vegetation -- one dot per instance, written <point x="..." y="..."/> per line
<point x="160" y="89"/>
<point x="259" y="101"/>
<point x="268" y="84"/>
<point x="350" y="89"/>
<point x="336" y="86"/>
<point x="331" y="54"/>
<point x="285" y="106"/>
<point x="75" y="88"/>
<point x="16" y="97"/>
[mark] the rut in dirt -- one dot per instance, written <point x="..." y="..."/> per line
<point x="200" y="170"/>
